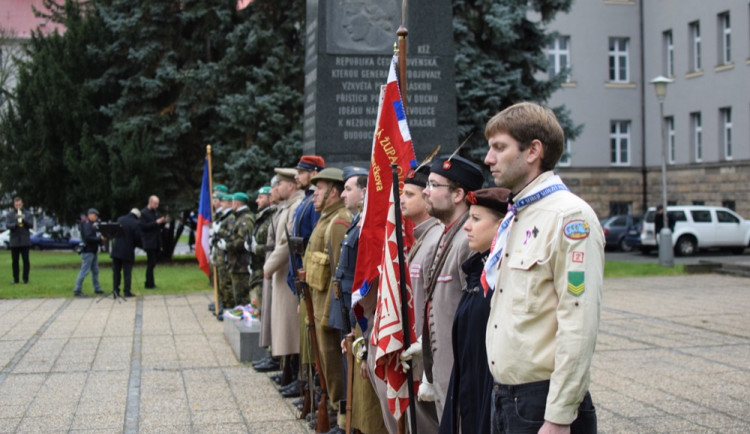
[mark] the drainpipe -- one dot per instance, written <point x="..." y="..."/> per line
<point x="644" y="171"/>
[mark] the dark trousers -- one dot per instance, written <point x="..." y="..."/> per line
<point x="151" y="256"/>
<point x="126" y="267"/>
<point x="24" y="253"/>
<point x="520" y="409"/>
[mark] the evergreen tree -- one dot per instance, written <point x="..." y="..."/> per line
<point x="500" y="52"/>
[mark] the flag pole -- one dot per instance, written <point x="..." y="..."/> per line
<point x="210" y="190"/>
<point x="402" y="33"/>
<point x="404" y="298"/>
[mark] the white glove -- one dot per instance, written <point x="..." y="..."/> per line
<point x="248" y="247"/>
<point x="254" y="246"/>
<point x="222" y="244"/>
<point x="426" y="390"/>
<point x="413" y="352"/>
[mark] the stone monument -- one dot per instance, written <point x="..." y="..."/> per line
<point x="349" y="46"/>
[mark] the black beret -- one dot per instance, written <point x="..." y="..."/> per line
<point x="418" y="177"/>
<point x="459" y="170"/>
<point x="495" y="198"/>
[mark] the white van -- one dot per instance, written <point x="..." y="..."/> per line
<point x="699" y="227"/>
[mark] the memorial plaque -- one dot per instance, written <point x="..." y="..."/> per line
<point x="349" y="46"/>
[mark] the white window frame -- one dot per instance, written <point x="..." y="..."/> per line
<point x="619" y="59"/>
<point x="725" y="38"/>
<point x="725" y="123"/>
<point x="669" y="126"/>
<point x="616" y="139"/>
<point x="668" y="41"/>
<point x="565" y="158"/>
<point x="556" y="54"/>
<point x="696" y="124"/>
<point x="696" y="62"/>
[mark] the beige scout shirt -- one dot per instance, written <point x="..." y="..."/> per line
<point x="427" y="236"/>
<point x="544" y="314"/>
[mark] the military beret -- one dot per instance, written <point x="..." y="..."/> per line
<point x="418" y="177"/>
<point x="285" y="174"/>
<point x="266" y="189"/>
<point x="495" y="198"/>
<point x="311" y="162"/>
<point x="350" y="171"/>
<point x="240" y="197"/>
<point x="225" y="196"/>
<point x="459" y="170"/>
<point x="221" y="187"/>
<point x="93" y="211"/>
<point x="329" y="174"/>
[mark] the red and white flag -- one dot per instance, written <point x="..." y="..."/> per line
<point x="388" y="333"/>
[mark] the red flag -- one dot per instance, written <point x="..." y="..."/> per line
<point x="388" y="333"/>
<point x="391" y="145"/>
<point x="204" y="222"/>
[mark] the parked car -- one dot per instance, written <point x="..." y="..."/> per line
<point x="5" y="239"/>
<point x="616" y="228"/>
<point x="54" y="240"/>
<point x="633" y="237"/>
<point x="699" y="227"/>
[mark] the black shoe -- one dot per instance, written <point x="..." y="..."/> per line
<point x="115" y="294"/>
<point x="220" y="317"/>
<point x="276" y="379"/>
<point x="291" y="393"/>
<point x="293" y="385"/>
<point x="128" y="294"/>
<point x="150" y="286"/>
<point x="211" y="307"/>
<point x="263" y="361"/>
<point x="78" y="294"/>
<point x="272" y="365"/>
<point x="25" y="282"/>
<point x="98" y="291"/>
<point x="336" y="430"/>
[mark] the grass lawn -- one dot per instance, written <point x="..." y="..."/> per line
<point x="636" y="269"/>
<point x="53" y="274"/>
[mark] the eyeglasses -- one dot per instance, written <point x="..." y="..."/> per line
<point x="433" y="185"/>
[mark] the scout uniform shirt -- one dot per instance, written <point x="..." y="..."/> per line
<point x="544" y="313"/>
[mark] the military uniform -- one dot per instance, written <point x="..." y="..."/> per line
<point x="265" y="221"/>
<point x="238" y="257"/>
<point x="544" y="313"/>
<point x="284" y="324"/>
<point x="224" y="280"/>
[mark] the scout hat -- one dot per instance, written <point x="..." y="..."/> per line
<point x="240" y="197"/>
<point x="311" y="162"/>
<point x="333" y="174"/>
<point x="459" y="170"/>
<point x="494" y="198"/>
<point x="266" y="189"/>
<point x="350" y="171"/>
<point x="285" y="174"/>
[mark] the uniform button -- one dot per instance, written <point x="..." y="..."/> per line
<point x="576" y="303"/>
<point x="515" y="219"/>
<point x="496" y="387"/>
<point x="493" y="362"/>
<point x="501" y="290"/>
<point x="507" y="254"/>
<point x="495" y="325"/>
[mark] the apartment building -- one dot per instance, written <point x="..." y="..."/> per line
<point x="611" y="50"/>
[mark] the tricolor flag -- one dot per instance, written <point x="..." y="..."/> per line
<point x="387" y="332"/>
<point x="204" y="222"/>
<point x="391" y="145"/>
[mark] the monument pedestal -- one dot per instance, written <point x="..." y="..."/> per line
<point x="243" y="340"/>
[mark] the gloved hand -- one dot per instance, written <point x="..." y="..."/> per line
<point x="413" y="352"/>
<point x="254" y="246"/>
<point x="427" y="391"/>
<point x="222" y="244"/>
<point x="248" y="247"/>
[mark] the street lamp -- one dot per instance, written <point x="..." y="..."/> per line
<point x="666" y="254"/>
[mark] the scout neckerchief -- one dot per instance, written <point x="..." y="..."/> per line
<point x="545" y="188"/>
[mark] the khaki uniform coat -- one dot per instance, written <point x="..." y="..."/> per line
<point x="284" y="322"/>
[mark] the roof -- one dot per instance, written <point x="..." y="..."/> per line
<point x="18" y="17"/>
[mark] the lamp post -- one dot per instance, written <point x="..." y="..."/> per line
<point x="666" y="254"/>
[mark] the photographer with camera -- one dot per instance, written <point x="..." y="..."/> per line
<point x="91" y="240"/>
<point x="19" y="222"/>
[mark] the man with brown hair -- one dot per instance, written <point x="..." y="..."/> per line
<point x="546" y="267"/>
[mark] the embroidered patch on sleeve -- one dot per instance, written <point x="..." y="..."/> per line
<point x="577" y="229"/>
<point x="577" y="257"/>
<point x="575" y="283"/>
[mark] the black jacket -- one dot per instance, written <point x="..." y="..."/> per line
<point x="90" y="237"/>
<point x="124" y="246"/>
<point x="150" y="230"/>
<point x="20" y="236"/>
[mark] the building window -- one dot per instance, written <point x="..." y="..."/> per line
<point x="565" y="157"/>
<point x="725" y="123"/>
<point x="696" y="128"/>
<point x="725" y="39"/>
<point x="669" y="124"/>
<point x="558" y="53"/>
<point x="618" y="60"/>
<point x="728" y="204"/>
<point x="668" y="43"/>
<point x="619" y="143"/>
<point x="699" y="202"/>
<point x="694" y="31"/>
<point x="620" y="208"/>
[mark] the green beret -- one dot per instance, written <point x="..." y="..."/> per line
<point x="225" y="196"/>
<point x="221" y="187"/>
<point x="329" y="174"/>
<point x="240" y="197"/>
<point x="266" y="189"/>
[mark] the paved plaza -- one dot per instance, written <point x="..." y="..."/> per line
<point x="673" y="355"/>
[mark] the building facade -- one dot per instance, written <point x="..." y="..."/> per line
<point x="610" y="50"/>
